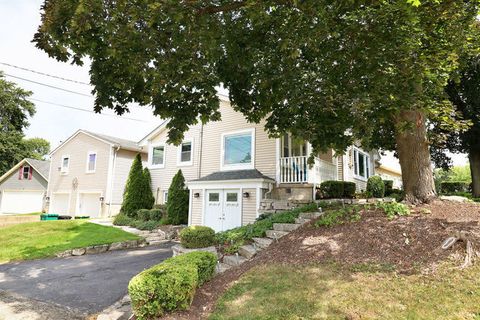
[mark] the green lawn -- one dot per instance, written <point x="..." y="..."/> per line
<point x="332" y="292"/>
<point x="45" y="238"/>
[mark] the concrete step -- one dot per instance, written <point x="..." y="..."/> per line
<point x="247" y="251"/>
<point x="262" y="243"/>
<point x="234" y="261"/>
<point x="273" y="234"/>
<point x="302" y="220"/>
<point x="221" y="267"/>
<point x="310" y="215"/>
<point x="286" y="226"/>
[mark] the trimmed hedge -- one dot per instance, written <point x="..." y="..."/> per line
<point x="170" y="285"/>
<point x="447" y="187"/>
<point x="388" y="187"/>
<point x="157" y="214"/>
<point x="197" y="237"/>
<point x="122" y="219"/>
<point x="143" y="214"/>
<point x="376" y="187"/>
<point x="333" y="189"/>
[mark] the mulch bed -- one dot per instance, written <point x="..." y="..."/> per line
<point x="410" y="244"/>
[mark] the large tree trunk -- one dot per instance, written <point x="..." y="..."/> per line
<point x="414" y="155"/>
<point x="474" y="158"/>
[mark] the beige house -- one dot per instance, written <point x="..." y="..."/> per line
<point x="88" y="172"/>
<point x="231" y="165"/>
<point x="388" y="173"/>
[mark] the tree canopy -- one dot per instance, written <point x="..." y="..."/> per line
<point x="330" y="72"/>
<point x="14" y="112"/>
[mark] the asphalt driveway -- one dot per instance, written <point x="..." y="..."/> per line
<point x="87" y="284"/>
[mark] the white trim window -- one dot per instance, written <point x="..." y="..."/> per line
<point x="185" y="153"/>
<point x="238" y="150"/>
<point x="165" y="197"/>
<point x="26" y="170"/>
<point x="65" y="164"/>
<point x="91" y="162"/>
<point x="361" y="164"/>
<point x="156" y="156"/>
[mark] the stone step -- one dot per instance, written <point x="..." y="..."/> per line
<point x="248" y="251"/>
<point x="286" y="226"/>
<point x="221" y="267"/>
<point x="310" y="215"/>
<point x="302" y="220"/>
<point x="273" y="234"/>
<point x="234" y="261"/>
<point x="262" y="243"/>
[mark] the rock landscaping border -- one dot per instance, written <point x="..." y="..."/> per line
<point x="101" y="248"/>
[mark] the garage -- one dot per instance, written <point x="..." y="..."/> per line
<point x="89" y="204"/>
<point x="59" y="203"/>
<point x="223" y="209"/>
<point x="21" y="201"/>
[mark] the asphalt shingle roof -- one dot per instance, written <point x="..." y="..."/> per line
<point x="235" y="175"/>
<point x="42" y="166"/>
<point x="123" y="143"/>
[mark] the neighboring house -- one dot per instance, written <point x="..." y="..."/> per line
<point x="231" y="165"/>
<point x="388" y="173"/>
<point x="23" y="188"/>
<point x="88" y="174"/>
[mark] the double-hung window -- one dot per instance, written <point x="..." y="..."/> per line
<point x="238" y="150"/>
<point x="185" y="150"/>
<point x="25" y="173"/>
<point x="361" y="164"/>
<point x="91" y="162"/>
<point x="65" y="164"/>
<point x="157" y="156"/>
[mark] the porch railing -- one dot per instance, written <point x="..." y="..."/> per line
<point x="293" y="170"/>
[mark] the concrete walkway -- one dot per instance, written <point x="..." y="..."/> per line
<point x="85" y="285"/>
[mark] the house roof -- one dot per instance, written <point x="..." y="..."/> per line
<point x="114" y="141"/>
<point x="249" y="174"/>
<point x="41" y="166"/>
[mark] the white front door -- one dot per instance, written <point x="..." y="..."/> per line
<point x="89" y="205"/>
<point x="223" y="210"/>
<point x="22" y="201"/>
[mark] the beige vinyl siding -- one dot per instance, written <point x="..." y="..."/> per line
<point x="78" y="148"/>
<point x="327" y="156"/>
<point x="249" y="207"/>
<point x="197" y="210"/>
<point x="13" y="183"/>
<point x="162" y="177"/>
<point x="123" y="163"/>
<point x="265" y="148"/>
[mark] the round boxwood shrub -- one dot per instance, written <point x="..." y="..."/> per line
<point x="388" y="187"/>
<point x="122" y="220"/>
<point x="332" y="189"/>
<point x="143" y="214"/>
<point x="376" y="187"/>
<point x="197" y="237"/>
<point x="157" y="214"/>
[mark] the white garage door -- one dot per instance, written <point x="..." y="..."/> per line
<point x="21" y="201"/>
<point x="59" y="203"/>
<point x="89" y="205"/>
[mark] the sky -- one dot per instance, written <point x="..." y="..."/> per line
<point x="19" y="20"/>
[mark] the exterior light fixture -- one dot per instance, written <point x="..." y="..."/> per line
<point x="196" y="195"/>
<point x="246" y="194"/>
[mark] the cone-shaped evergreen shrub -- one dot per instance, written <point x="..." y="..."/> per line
<point x="177" y="203"/>
<point x="134" y="194"/>
<point x="149" y="198"/>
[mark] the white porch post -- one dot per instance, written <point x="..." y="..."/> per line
<point x="277" y="161"/>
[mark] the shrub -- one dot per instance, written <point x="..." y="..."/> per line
<point x="122" y="220"/>
<point x="332" y="189"/>
<point x="177" y="204"/>
<point x="349" y="189"/>
<point x="340" y="216"/>
<point x="138" y="193"/>
<point x="197" y="237"/>
<point x="204" y="261"/>
<point x="162" y="288"/>
<point x="388" y="187"/>
<point x="160" y="206"/>
<point x="449" y="187"/>
<point x="143" y="214"/>
<point x="146" y="225"/>
<point x="147" y="185"/>
<point x="376" y="187"/>
<point x="157" y="214"/>
<point x="393" y="209"/>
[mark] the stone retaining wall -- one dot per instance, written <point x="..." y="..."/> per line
<point x="130" y="244"/>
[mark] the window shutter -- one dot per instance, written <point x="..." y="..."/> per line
<point x="30" y="172"/>
<point x="20" y="172"/>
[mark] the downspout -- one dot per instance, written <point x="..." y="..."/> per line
<point x="115" y="151"/>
